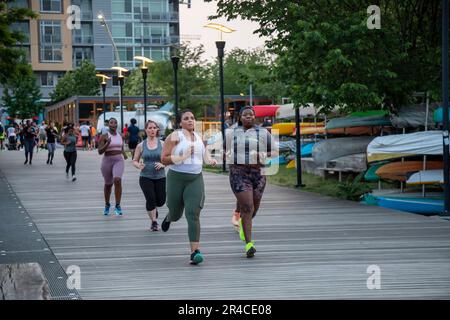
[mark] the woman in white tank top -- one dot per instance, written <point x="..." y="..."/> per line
<point x="184" y="153"/>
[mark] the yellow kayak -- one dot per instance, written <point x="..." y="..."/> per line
<point x="287" y="128"/>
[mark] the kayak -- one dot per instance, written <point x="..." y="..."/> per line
<point x="424" y="206"/>
<point x="399" y="171"/>
<point x="370" y="175"/>
<point x="351" y="121"/>
<point x="330" y="149"/>
<point x="426" y="177"/>
<point x="287" y="127"/>
<point x="405" y="145"/>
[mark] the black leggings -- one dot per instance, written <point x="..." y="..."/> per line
<point x="71" y="158"/>
<point x="154" y="192"/>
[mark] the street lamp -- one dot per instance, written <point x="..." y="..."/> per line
<point x="175" y="61"/>
<point x="220" y="44"/>
<point x="445" y="23"/>
<point x="103" y="23"/>
<point x="104" y="78"/>
<point x="144" y="70"/>
<point x="120" y="77"/>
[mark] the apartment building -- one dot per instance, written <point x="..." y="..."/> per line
<point x="138" y="27"/>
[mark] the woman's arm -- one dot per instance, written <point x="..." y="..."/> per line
<point x="167" y="158"/>
<point x="103" y="144"/>
<point x="137" y="157"/>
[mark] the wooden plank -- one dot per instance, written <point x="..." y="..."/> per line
<point x="309" y="246"/>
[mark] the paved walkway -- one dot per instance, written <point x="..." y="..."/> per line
<point x="309" y="246"/>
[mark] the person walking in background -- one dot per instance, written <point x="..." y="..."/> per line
<point x="133" y="136"/>
<point x="69" y="140"/>
<point x="85" y="134"/>
<point x="113" y="165"/>
<point x="152" y="179"/>
<point x="36" y="137"/>
<point x="42" y="135"/>
<point x="29" y="136"/>
<point x="184" y="152"/>
<point x="93" y="133"/>
<point x="125" y="130"/>
<point x="12" y="133"/>
<point x="51" y="134"/>
<point x="2" y="136"/>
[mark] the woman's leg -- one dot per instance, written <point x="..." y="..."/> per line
<point x="117" y="171"/>
<point x="148" y="188"/>
<point x="73" y="160"/>
<point x="174" y="188"/>
<point x="246" y="203"/>
<point x="66" y="157"/>
<point x="106" y="170"/>
<point x="194" y="197"/>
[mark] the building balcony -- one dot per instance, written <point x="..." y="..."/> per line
<point x="159" y="41"/>
<point x="82" y="39"/>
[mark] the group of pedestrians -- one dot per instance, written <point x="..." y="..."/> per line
<point x="183" y="187"/>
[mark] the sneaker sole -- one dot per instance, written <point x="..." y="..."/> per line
<point x="197" y="259"/>
<point x="251" y="252"/>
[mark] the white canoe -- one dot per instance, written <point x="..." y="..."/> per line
<point x="426" y="177"/>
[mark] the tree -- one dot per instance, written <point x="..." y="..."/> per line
<point x="11" y="63"/>
<point x="81" y="81"/>
<point x="245" y="67"/>
<point x="22" y="96"/>
<point x="328" y="56"/>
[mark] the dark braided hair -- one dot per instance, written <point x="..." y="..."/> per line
<point x="242" y="111"/>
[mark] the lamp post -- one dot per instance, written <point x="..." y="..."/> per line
<point x="445" y="96"/>
<point x="220" y="44"/>
<point x="104" y="78"/>
<point x="120" y="78"/>
<point x="144" y="70"/>
<point x="102" y="20"/>
<point x="175" y="61"/>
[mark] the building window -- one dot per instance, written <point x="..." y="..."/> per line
<point x="51" y="6"/>
<point x="121" y="6"/>
<point x="19" y="4"/>
<point x="48" y="79"/>
<point x="50" y="41"/>
<point x="80" y="54"/>
<point x="82" y="35"/>
<point x="24" y="28"/>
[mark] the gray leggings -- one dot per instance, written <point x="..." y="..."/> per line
<point x="186" y="192"/>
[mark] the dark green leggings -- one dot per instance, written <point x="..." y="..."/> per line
<point x="186" y="191"/>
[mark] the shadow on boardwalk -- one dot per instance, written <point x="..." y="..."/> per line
<point x="309" y="246"/>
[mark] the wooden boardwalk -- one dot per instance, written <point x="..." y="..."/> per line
<point x="309" y="246"/>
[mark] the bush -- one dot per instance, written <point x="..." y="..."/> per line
<point x="353" y="189"/>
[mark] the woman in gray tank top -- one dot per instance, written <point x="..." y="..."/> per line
<point x="152" y="179"/>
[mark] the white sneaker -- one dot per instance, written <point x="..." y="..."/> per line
<point x="74" y="178"/>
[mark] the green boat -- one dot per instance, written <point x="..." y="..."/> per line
<point x="363" y="121"/>
<point x="369" y="113"/>
<point x="371" y="175"/>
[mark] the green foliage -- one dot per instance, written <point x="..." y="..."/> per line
<point x="353" y="189"/>
<point x="81" y="82"/>
<point x="11" y="59"/>
<point x="22" y="96"/>
<point x="245" y="67"/>
<point x="328" y="56"/>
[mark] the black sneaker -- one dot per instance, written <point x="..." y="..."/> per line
<point x="155" y="226"/>
<point x="26" y="161"/>
<point x="196" y="257"/>
<point x="48" y="161"/>
<point x="165" y="225"/>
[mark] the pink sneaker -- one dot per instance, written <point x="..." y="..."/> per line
<point x="235" y="219"/>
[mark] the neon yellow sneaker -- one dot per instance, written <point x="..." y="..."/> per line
<point x="250" y="250"/>
<point x="241" y="230"/>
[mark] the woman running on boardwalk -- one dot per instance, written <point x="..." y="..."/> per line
<point x="246" y="180"/>
<point x="184" y="152"/>
<point x="51" y="135"/>
<point x="69" y="140"/>
<point x="153" y="177"/>
<point x="113" y="165"/>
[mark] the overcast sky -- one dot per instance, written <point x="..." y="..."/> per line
<point x="192" y="22"/>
